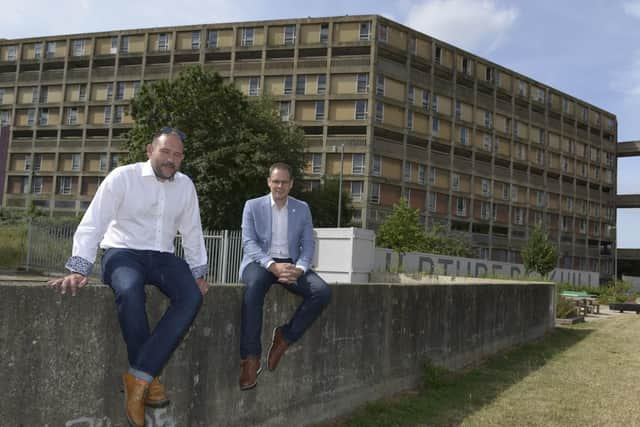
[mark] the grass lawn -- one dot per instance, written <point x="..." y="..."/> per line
<point x="582" y="375"/>
<point x="12" y="245"/>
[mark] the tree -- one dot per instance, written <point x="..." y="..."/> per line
<point x="323" y="202"/>
<point x="437" y="242"/>
<point x="540" y="255"/>
<point x="230" y="144"/>
<point x="401" y="230"/>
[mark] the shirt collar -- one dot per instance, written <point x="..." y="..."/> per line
<point x="273" y="202"/>
<point x="147" y="170"/>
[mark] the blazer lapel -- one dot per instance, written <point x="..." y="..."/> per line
<point x="266" y="209"/>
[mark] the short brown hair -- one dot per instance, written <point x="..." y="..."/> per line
<point x="282" y="166"/>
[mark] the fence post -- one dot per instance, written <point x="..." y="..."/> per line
<point x="29" y="233"/>
<point x="225" y="255"/>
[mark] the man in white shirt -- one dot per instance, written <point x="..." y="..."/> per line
<point x="134" y="217"/>
<point x="278" y="243"/>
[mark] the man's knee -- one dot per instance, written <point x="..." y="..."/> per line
<point x="323" y="294"/>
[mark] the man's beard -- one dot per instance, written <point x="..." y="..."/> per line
<point x="158" y="171"/>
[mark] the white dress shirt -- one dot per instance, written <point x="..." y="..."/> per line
<point x="279" y="227"/>
<point x="133" y="209"/>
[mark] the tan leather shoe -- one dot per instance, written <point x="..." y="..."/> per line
<point x="277" y="350"/>
<point x="135" y="392"/>
<point x="157" y="397"/>
<point x="250" y="368"/>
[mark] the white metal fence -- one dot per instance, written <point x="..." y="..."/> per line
<point x="49" y="246"/>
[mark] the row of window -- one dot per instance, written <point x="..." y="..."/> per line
<point x="35" y="162"/>
<point x="109" y="115"/>
<point x="40" y="95"/>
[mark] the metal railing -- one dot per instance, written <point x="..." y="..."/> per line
<point x="49" y="246"/>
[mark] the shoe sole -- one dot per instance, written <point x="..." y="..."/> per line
<point x="250" y="386"/>
<point x="273" y="341"/>
<point x="160" y="404"/>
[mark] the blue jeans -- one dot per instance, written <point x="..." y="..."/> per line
<point x="315" y="292"/>
<point x="127" y="271"/>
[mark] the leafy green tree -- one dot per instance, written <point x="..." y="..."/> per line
<point x="540" y="255"/>
<point x="437" y="242"/>
<point x="323" y="202"/>
<point x="230" y="144"/>
<point x="401" y="230"/>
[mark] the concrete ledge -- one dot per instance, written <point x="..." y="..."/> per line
<point x="62" y="357"/>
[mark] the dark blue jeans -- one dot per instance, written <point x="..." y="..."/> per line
<point x="315" y="292"/>
<point x="127" y="271"/>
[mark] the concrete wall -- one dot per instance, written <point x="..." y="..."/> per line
<point x="61" y="358"/>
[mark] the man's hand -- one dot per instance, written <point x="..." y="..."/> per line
<point x="203" y="285"/>
<point x="285" y="272"/>
<point x="73" y="281"/>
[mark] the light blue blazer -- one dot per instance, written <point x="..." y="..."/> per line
<point x="256" y="232"/>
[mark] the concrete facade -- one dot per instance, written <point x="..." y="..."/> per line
<point x="62" y="357"/>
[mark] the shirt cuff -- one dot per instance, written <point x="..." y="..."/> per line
<point x="269" y="264"/>
<point x="199" y="271"/>
<point x="79" y="265"/>
<point x="302" y="267"/>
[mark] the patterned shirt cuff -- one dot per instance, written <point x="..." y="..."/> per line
<point x="199" y="271"/>
<point x="79" y="265"/>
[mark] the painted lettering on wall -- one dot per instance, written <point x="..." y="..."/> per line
<point x="160" y="417"/>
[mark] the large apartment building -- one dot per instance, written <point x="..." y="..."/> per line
<point x="478" y="148"/>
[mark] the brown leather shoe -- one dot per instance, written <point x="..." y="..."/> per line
<point x="157" y="397"/>
<point x="277" y="350"/>
<point x="250" y="368"/>
<point x="135" y="392"/>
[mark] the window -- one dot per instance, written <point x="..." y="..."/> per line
<point x="522" y="152"/>
<point x="514" y="193"/>
<point x="285" y="110"/>
<point x="254" y="86"/>
<point x="411" y="94"/>
<point x="212" y="38"/>
<point x="115" y="160"/>
<point x="433" y="174"/>
<point x="316" y="163"/>
<point x="246" y="37"/>
<point x="485" y="208"/>
<point x="505" y="191"/>
<point x="124" y="44"/>
<point x="103" y="162"/>
<point x="379" y="112"/>
<point x="64" y="185"/>
<point x="301" y="83"/>
<point x="163" y="42"/>
<point x="72" y="116"/>
<point x="464" y="136"/>
<point x="540" y="157"/>
<point x="12" y="53"/>
<point x="461" y="206"/>
<point x="77" y="47"/>
<point x="380" y="85"/>
<point x="539" y="95"/>
<point x="34" y="94"/>
<point x="31" y="116"/>
<point x="406" y="195"/>
<point x="82" y="92"/>
<point x="361" y="109"/>
<point x="382" y="33"/>
<point x="43" y="97"/>
<point x="362" y="83"/>
<point x="107" y="114"/>
<point x="434" y="103"/>
<point x="37" y="51"/>
<point x="541" y="136"/>
<point x="36" y="185"/>
<point x="435" y="125"/>
<point x="365" y="30"/>
<point x="518" y="217"/>
<point x="119" y="114"/>
<point x="5" y="117"/>
<point x="488" y="74"/>
<point x="413" y="45"/>
<point x="425" y="98"/>
<point x="566" y="221"/>
<point x="410" y="120"/>
<point x="487" y="144"/>
<point x="324" y="33"/>
<point x="522" y="88"/>
<point x="488" y="119"/>
<point x="75" y="162"/>
<point x="356" y="191"/>
<point x="537" y="218"/>
<point x="583" y="226"/>
<point x="319" y="110"/>
<point x="455" y="182"/>
<point x="195" y="40"/>
<point x="37" y="162"/>
<point x="109" y="91"/>
<point x="322" y="84"/>
<point x="485" y="184"/>
<point x="357" y="164"/>
<point x="374" y="196"/>
<point x="51" y="49"/>
<point x="288" y="85"/>
<point x="114" y="45"/>
<point x="376" y="169"/>
<point x="136" y="88"/>
<point x="289" y="35"/>
<point x="43" y="117"/>
<point x="540" y="198"/>
<point x="565" y="105"/>
<point x="432" y="202"/>
<point x="458" y="110"/>
<point x="406" y="174"/>
<point x="422" y="174"/>
<point x="507" y="125"/>
<point x="466" y="66"/>
<point x="438" y="56"/>
<point x="120" y="91"/>
<point x="27" y="162"/>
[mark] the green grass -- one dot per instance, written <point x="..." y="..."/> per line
<point x="580" y="375"/>
<point x="13" y="245"/>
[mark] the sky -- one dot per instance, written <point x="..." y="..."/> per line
<point x="587" y="48"/>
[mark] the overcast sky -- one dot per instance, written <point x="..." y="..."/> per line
<point x="587" y="48"/>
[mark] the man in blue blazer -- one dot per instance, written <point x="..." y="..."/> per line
<point x="277" y="238"/>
